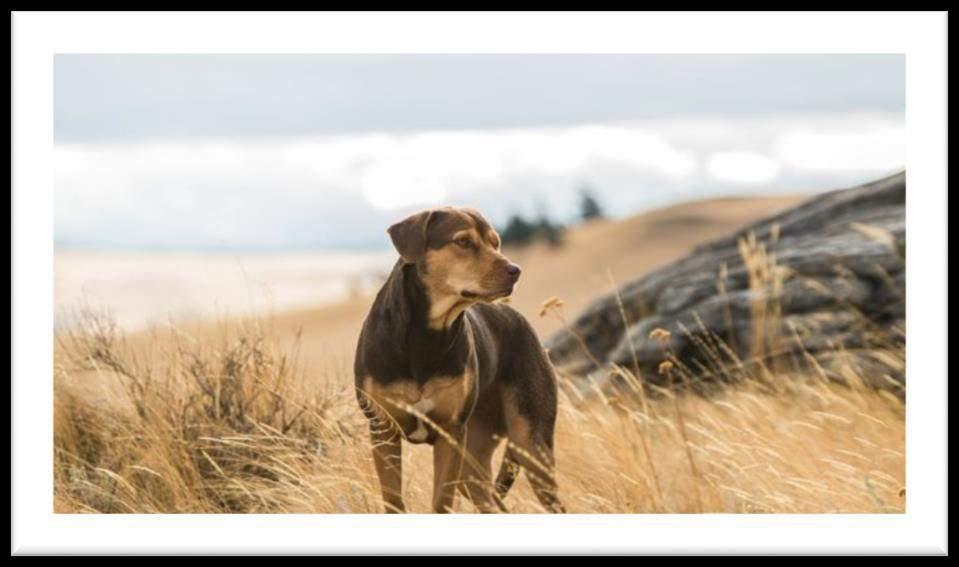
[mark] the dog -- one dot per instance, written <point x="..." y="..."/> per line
<point x="439" y="362"/>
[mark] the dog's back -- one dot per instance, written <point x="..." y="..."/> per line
<point x="512" y="360"/>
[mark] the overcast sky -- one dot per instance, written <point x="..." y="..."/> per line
<point x="319" y="151"/>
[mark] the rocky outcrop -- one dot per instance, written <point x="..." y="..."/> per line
<point x="820" y="286"/>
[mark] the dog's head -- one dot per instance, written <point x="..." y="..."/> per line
<point x="456" y="253"/>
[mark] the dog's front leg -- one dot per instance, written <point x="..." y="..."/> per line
<point x="388" y="460"/>
<point x="447" y="467"/>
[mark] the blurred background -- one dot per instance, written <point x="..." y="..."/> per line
<point x="188" y="185"/>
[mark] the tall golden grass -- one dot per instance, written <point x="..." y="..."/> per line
<point x="232" y="424"/>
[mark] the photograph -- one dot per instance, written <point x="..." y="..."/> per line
<point x="491" y="283"/>
<point x="479" y="283"/>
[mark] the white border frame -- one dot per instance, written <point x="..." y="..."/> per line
<point x="38" y="36"/>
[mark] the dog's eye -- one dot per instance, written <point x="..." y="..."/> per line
<point x="464" y="242"/>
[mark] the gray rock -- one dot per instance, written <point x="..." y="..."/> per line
<point x="803" y="288"/>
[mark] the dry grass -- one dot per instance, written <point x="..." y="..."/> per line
<point x="820" y="448"/>
<point x="235" y="428"/>
<point x="229" y="423"/>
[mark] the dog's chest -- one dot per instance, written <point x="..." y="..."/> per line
<point x="418" y="408"/>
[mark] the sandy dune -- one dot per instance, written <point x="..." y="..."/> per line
<point x="139" y="289"/>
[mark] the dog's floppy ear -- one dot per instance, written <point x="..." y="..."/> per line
<point x="409" y="236"/>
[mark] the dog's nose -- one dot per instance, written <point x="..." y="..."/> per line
<point x="513" y="270"/>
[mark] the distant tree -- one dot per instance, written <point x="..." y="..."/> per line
<point x="551" y="232"/>
<point x="520" y="232"/>
<point x="547" y="230"/>
<point x="589" y="208"/>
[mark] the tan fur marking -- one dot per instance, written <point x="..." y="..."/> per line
<point x="470" y="233"/>
<point x="493" y="239"/>
<point x="517" y="426"/>
<point x="440" y="400"/>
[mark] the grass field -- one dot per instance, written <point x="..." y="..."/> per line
<point x="259" y="415"/>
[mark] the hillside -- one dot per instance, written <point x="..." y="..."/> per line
<point x="226" y="416"/>
<point x="575" y="272"/>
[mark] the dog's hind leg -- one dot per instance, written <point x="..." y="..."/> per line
<point x="534" y="452"/>
<point x="537" y="460"/>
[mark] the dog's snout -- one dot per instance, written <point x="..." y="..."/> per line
<point x="513" y="270"/>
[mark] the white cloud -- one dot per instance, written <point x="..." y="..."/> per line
<point x="403" y="170"/>
<point x="340" y="190"/>
<point x="747" y="168"/>
<point x="880" y="147"/>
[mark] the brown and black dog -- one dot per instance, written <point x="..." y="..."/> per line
<point x="438" y="362"/>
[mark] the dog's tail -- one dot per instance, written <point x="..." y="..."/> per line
<point x="508" y="472"/>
